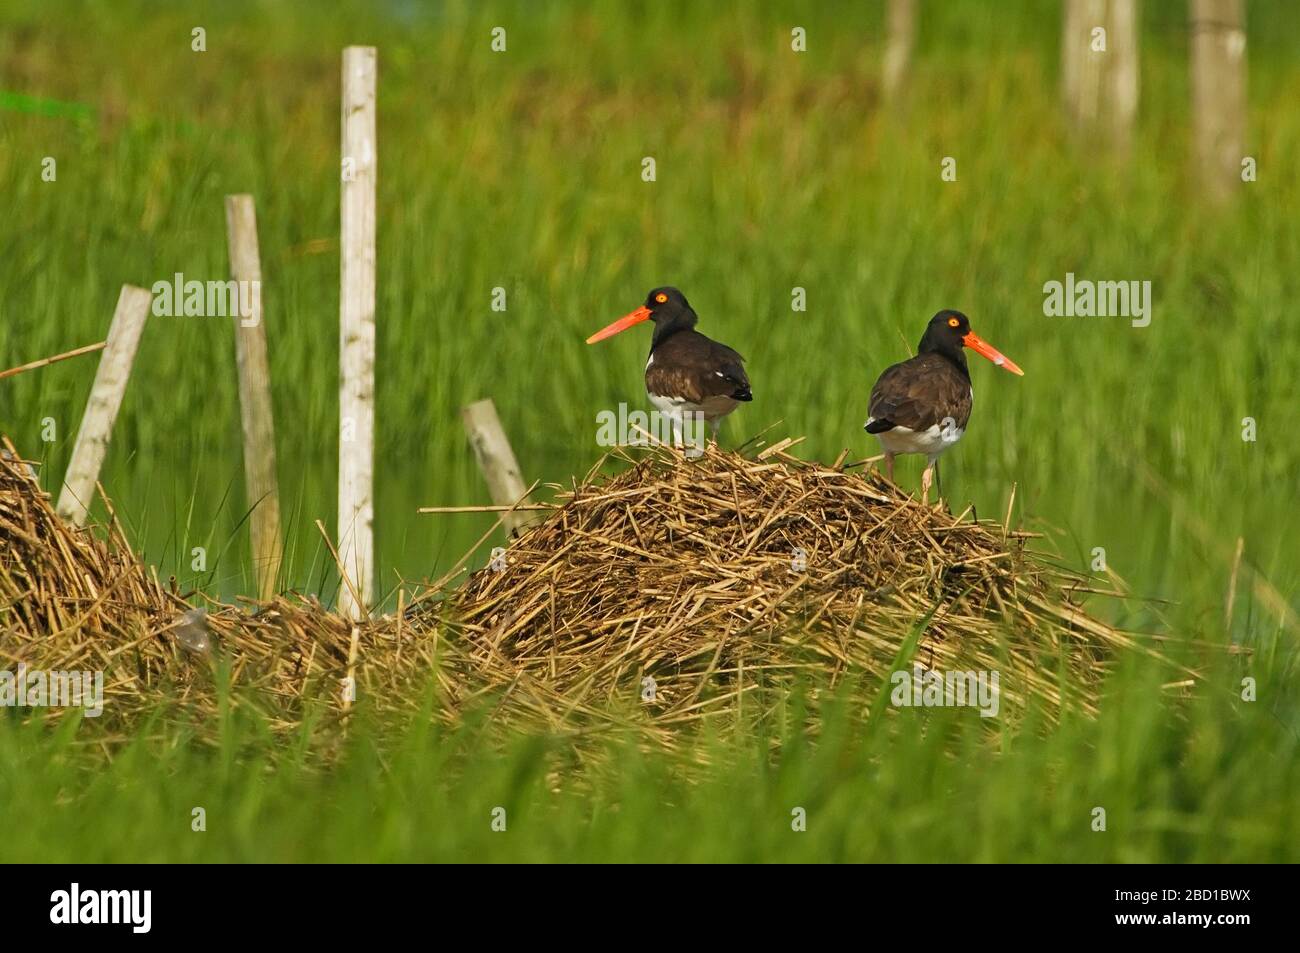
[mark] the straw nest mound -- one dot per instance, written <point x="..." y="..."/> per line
<point x="73" y="600"/>
<point x="654" y="597"/>
<point x="685" y="583"/>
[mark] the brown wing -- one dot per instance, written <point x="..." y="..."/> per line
<point x="918" y="394"/>
<point x="692" y="367"/>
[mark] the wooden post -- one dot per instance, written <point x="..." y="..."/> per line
<point x="1080" y="64"/>
<point x="1219" y="94"/>
<point x="497" y="462"/>
<point x="1100" y="86"/>
<point x="900" y="27"/>
<point x="1122" y="75"/>
<point x="101" y="408"/>
<point x="255" y="412"/>
<point x="357" y="331"/>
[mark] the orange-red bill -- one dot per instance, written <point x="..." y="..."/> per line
<point x="985" y="349"/>
<point x="622" y="324"/>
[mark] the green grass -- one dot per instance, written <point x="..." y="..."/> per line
<point x="1178" y="782"/>
<point x="775" y="170"/>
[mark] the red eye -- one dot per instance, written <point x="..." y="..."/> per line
<point x="661" y="297"/>
<point x="953" y="322"/>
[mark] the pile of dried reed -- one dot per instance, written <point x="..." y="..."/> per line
<point x="683" y="584"/>
<point x="72" y="601"/>
<point x="84" y="598"/>
<point x="655" y="597"/>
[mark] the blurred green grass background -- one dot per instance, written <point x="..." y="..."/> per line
<point x="775" y="170"/>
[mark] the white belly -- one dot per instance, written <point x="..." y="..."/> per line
<point x="931" y="441"/>
<point x="711" y="409"/>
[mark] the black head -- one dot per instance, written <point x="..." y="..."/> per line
<point x="945" y="334"/>
<point x="666" y="307"/>
<point x="949" y="332"/>
<point x="669" y="304"/>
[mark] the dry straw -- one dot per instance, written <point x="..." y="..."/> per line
<point x="73" y="600"/>
<point x="671" y="591"/>
<point x="685" y="584"/>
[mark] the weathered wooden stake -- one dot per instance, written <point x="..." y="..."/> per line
<point x="357" y="330"/>
<point x="1123" y="74"/>
<point x="497" y="462"/>
<point x="1100" y="86"/>
<point x="900" y="28"/>
<point x="1080" y="64"/>
<point x="255" y="412"/>
<point x="1219" y="94"/>
<point x="101" y="408"/>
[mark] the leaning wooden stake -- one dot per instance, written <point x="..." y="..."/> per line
<point x="357" y="331"/>
<point x="101" y="408"/>
<point x="497" y="462"/>
<point x="254" y="394"/>
<point x="1219" y="94"/>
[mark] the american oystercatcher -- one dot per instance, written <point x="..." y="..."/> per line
<point x="690" y="378"/>
<point x="922" y="405"/>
